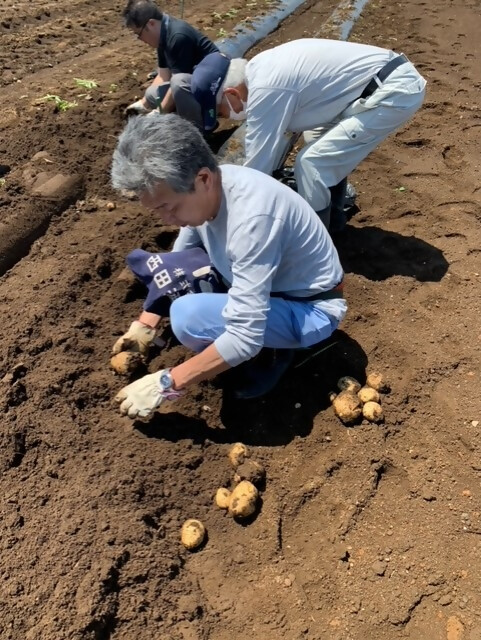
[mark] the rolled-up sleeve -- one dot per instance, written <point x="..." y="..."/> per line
<point x="255" y="253"/>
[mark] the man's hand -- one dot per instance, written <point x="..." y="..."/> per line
<point x="137" y="108"/>
<point x="142" y="397"/>
<point x="139" y="338"/>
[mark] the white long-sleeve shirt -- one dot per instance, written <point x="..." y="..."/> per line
<point x="265" y="238"/>
<point x="302" y="85"/>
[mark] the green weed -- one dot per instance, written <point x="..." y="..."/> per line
<point x="62" y="105"/>
<point x="86" y="84"/>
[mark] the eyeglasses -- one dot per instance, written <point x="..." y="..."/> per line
<point x="139" y="35"/>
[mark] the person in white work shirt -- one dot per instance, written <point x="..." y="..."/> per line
<point x="357" y="93"/>
<point x="283" y="275"/>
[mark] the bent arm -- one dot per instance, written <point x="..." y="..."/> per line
<point x="255" y="254"/>
<point x="203" y="366"/>
<point x="163" y="75"/>
<point x="269" y="113"/>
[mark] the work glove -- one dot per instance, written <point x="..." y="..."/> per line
<point x="139" y="338"/>
<point x="136" y="109"/>
<point x="155" y="112"/>
<point x="142" y="397"/>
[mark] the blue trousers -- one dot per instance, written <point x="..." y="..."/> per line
<point x="197" y="320"/>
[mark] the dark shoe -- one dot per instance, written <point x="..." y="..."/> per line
<point x="338" y="198"/>
<point x="286" y="176"/>
<point x="262" y="374"/>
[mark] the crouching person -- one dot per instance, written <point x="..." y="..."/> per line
<point x="283" y="272"/>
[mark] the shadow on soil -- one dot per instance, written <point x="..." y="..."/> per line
<point x="283" y="414"/>
<point x="377" y="254"/>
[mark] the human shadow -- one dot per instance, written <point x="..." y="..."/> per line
<point x="378" y="254"/>
<point x="277" y="418"/>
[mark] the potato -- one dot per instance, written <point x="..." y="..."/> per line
<point x="368" y="394"/>
<point x="238" y="453"/>
<point x="243" y="501"/>
<point x="346" y="383"/>
<point x="111" y="206"/>
<point x="222" y="498"/>
<point x="377" y="381"/>
<point x="347" y="407"/>
<point x="250" y="470"/>
<point x="192" y="534"/>
<point x="126" y="362"/>
<point x="372" y="411"/>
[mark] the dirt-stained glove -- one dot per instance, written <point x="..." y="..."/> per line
<point x="138" y="338"/>
<point x="136" y="109"/>
<point x="142" y="397"/>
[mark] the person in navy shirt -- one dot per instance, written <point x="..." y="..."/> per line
<point x="180" y="47"/>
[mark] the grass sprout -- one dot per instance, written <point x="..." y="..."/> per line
<point x="86" y="84"/>
<point x="62" y="105"/>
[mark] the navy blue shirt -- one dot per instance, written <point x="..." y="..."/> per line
<point x="181" y="46"/>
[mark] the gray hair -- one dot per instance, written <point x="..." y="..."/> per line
<point x="236" y="74"/>
<point x="157" y="148"/>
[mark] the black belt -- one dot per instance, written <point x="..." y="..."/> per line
<point x="332" y="294"/>
<point x="382" y="74"/>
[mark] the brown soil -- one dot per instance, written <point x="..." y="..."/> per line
<point x="371" y="532"/>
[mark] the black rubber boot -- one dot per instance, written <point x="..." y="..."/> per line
<point x="338" y="201"/>
<point x="262" y="374"/>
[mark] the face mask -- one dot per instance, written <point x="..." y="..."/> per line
<point x="234" y="115"/>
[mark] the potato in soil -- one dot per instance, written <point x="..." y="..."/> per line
<point x="126" y="362"/>
<point x="222" y="498"/>
<point x="346" y="383"/>
<point x="347" y="407"/>
<point x="192" y="534"/>
<point x="238" y="453"/>
<point x="377" y="381"/>
<point x="368" y="394"/>
<point x="373" y="412"/>
<point x="243" y="502"/>
<point x="251" y="471"/>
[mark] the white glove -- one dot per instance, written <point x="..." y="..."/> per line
<point x="142" y="397"/>
<point x="136" y="109"/>
<point x="154" y="112"/>
<point x="139" y="338"/>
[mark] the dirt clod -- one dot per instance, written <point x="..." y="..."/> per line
<point x="252" y="471"/>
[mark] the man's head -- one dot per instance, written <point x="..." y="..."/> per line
<point x="165" y="160"/>
<point x="143" y="18"/>
<point x="218" y="85"/>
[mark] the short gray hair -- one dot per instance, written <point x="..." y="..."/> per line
<point x="236" y="74"/>
<point x="159" y="148"/>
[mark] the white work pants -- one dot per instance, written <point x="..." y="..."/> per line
<point x="335" y="150"/>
